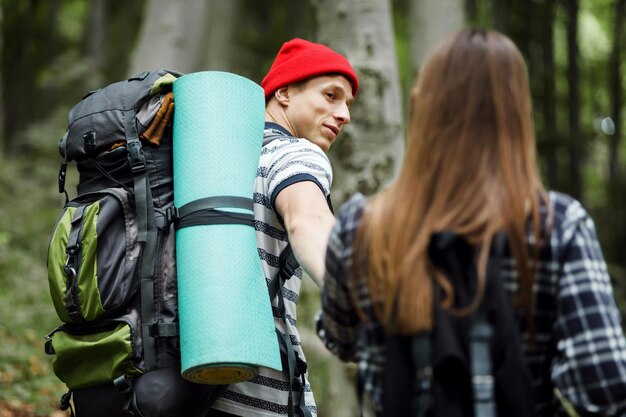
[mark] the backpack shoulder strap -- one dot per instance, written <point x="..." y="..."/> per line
<point x="146" y="233"/>
<point x="480" y="336"/>
<point x="292" y="363"/>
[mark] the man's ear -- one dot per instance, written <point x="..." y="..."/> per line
<point x="282" y="95"/>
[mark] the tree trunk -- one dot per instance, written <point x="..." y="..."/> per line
<point x="573" y="79"/>
<point x="33" y="28"/>
<point x="471" y="11"/>
<point x="431" y="21"/>
<point x="223" y="52"/>
<point x="616" y="232"/>
<point x="499" y="12"/>
<point x="173" y="35"/>
<point x="95" y="34"/>
<point x="550" y="139"/>
<point x="1" y="86"/>
<point x="372" y="147"/>
<point x="616" y="88"/>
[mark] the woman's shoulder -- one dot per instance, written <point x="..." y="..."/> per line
<point x="567" y="212"/>
<point x="570" y="224"/>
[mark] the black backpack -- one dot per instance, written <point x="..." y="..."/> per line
<point x="469" y="365"/>
<point x="112" y="265"/>
<point x="111" y="261"/>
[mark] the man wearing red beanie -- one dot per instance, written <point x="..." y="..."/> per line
<point x="308" y="92"/>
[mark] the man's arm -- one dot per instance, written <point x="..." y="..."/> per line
<point x="309" y="221"/>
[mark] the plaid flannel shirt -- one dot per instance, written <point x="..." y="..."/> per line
<point x="580" y="347"/>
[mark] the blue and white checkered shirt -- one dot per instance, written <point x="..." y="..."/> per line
<point x="580" y="347"/>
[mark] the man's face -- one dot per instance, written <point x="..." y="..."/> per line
<point x="319" y="108"/>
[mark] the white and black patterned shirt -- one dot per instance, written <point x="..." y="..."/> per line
<point x="284" y="161"/>
<point x="580" y="347"/>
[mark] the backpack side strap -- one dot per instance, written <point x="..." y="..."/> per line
<point x="482" y="374"/>
<point x="481" y="333"/>
<point x="294" y="365"/>
<point x="146" y="233"/>
<point x="420" y="349"/>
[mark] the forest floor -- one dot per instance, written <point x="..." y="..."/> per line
<point x="25" y="410"/>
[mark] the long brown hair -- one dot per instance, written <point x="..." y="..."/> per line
<point x="470" y="168"/>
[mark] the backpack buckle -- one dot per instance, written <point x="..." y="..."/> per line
<point x="70" y="272"/>
<point x="172" y="215"/>
<point x="123" y="385"/>
<point x="136" y="157"/>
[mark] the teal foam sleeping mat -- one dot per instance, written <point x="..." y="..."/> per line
<point x="226" y="323"/>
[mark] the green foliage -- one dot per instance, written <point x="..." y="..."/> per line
<point x="29" y="208"/>
<point x="71" y="20"/>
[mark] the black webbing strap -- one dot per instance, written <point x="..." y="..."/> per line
<point x="72" y="265"/>
<point x="420" y="349"/>
<point x="137" y="162"/>
<point x="482" y="374"/>
<point x="292" y="363"/>
<point x="205" y="211"/>
<point x="146" y="233"/>
<point x="481" y="333"/>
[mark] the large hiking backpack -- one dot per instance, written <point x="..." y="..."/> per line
<point x="112" y="264"/>
<point x="111" y="261"/>
<point x="469" y="365"/>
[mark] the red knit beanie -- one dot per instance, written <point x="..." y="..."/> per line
<point x="298" y="60"/>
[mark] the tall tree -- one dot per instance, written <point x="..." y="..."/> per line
<point x="547" y="104"/>
<point x="616" y="87"/>
<point x="31" y="41"/>
<point x="471" y="11"/>
<point x="499" y="11"/>
<point x="95" y="35"/>
<point x="573" y="82"/>
<point x="372" y="147"/>
<point x="1" y="87"/>
<point x="221" y="52"/>
<point x="614" y="209"/>
<point x="173" y="35"/>
<point x="430" y="21"/>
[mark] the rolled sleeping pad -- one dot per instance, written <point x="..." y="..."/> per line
<point x="226" y="322"/>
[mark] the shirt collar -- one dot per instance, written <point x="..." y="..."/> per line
<point x="278" y="128"/>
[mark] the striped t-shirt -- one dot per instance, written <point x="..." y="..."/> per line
<point x="284" y="161"/>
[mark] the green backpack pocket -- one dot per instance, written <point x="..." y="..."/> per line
<point x="92" y="256"/>
<point x="94" y="355"/>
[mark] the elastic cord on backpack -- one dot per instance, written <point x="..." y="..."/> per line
<point x="108" y="176"/>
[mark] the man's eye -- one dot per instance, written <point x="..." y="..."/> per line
<point x="330" y="96"/>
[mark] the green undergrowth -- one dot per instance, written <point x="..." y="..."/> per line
<point x="28" y="208"/>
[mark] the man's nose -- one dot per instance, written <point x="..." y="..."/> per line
<point x="343" y="114"/>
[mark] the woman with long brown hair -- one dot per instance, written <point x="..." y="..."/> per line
<point x="470" y="168"/>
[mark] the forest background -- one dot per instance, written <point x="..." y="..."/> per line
<point x="53" y="52"/>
